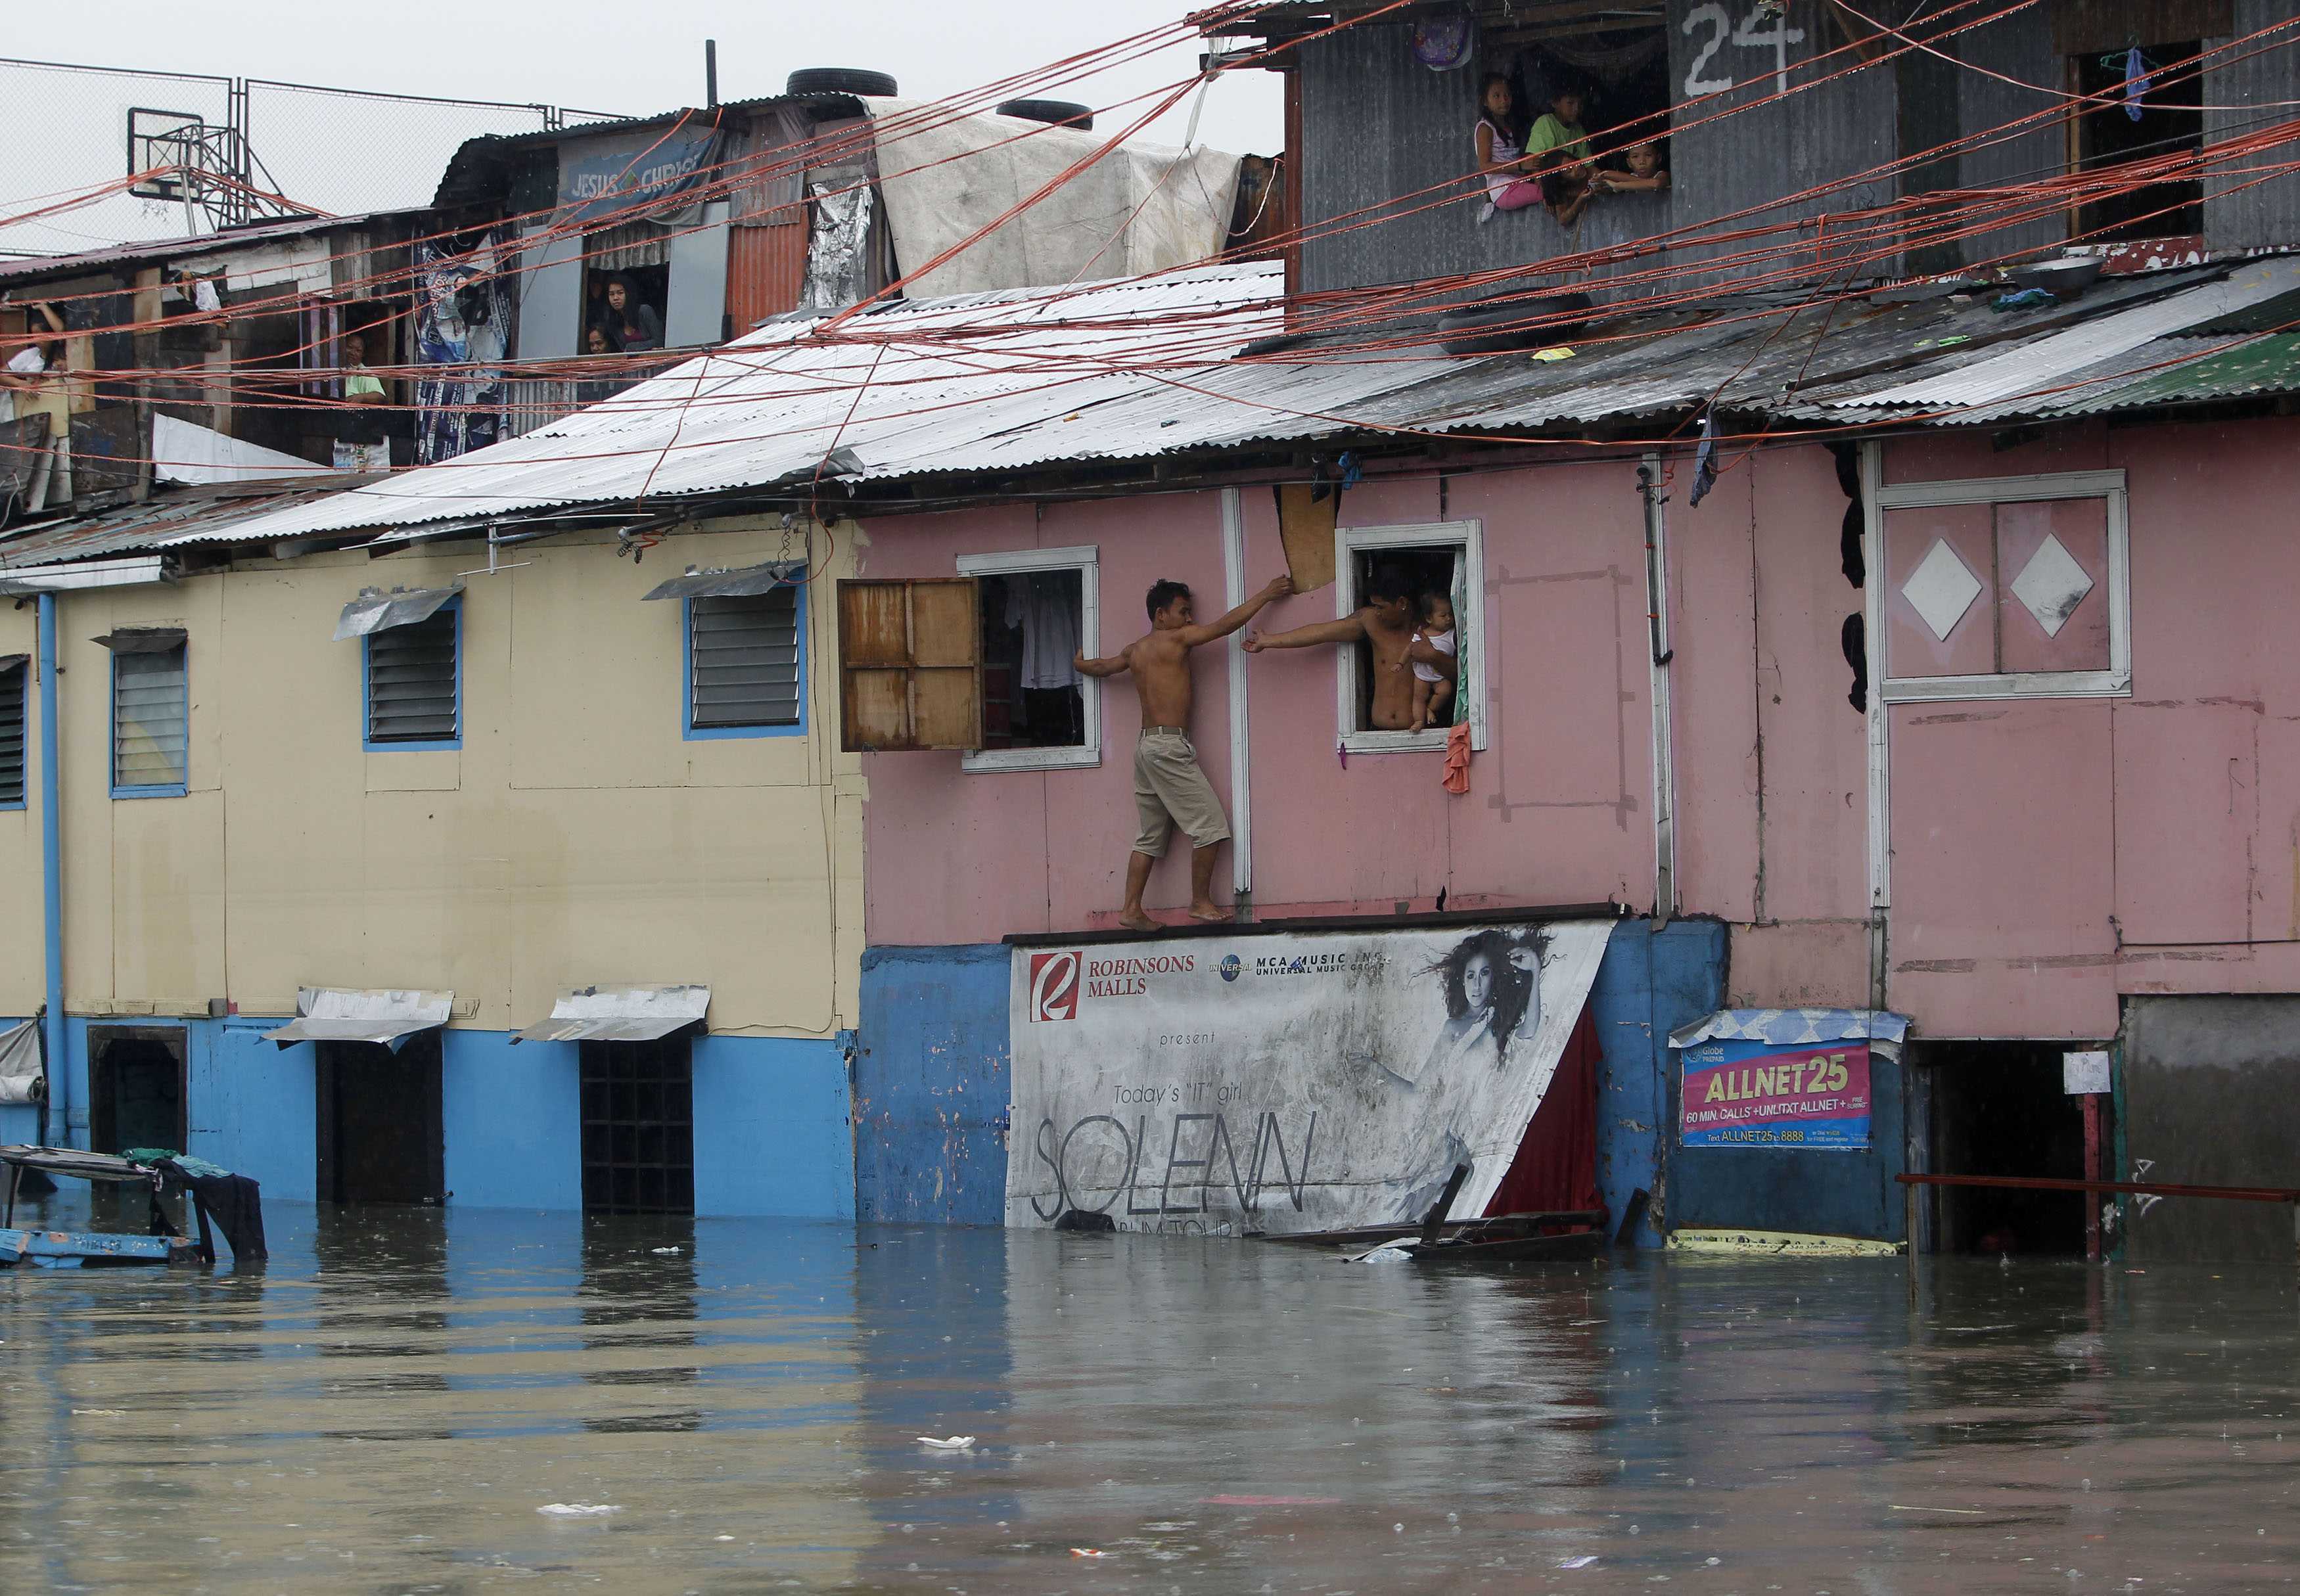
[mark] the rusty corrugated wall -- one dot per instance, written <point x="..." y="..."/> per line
<point x="765" y="267"/>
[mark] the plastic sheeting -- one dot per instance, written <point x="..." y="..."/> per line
<point x="182" y="452"/>
<point x="1138" y="208"/>
<point x="23" y="1078"/>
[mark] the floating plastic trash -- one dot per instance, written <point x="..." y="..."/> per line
<point x="578" y="1509"/>
<point x="955" y="1444"/>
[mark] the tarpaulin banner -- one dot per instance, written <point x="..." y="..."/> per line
<point x="603" y="178"/>
<point x="1745" y="1093"/>
<point x="1318" y="1081"/>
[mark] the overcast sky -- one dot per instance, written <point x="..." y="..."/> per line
<point x="627" y="56"/>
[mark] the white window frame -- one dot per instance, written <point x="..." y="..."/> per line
<point x="1086" y="561"/>
<point x="1468" y="535"/>
<point x="2115" y="682"/>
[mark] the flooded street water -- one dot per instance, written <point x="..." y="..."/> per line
<point x="387" y="1405"/>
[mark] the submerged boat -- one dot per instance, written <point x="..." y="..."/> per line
<point x="219" y="1199"/>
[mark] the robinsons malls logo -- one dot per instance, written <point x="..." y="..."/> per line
<point x="1059" y="980"/>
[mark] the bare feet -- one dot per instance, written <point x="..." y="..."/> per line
<point x="1214" y="913"/>
<point x="1135" y="920"/>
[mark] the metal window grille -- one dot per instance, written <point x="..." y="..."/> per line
<point x="150" y="712"/>
<point x="639" y="1128"/>
<point x="13" y="682"/>
<point x="411" y="681"/>
<point x="743" y="660"/>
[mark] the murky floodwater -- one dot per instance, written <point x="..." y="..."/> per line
<point x="387" y="1405"/>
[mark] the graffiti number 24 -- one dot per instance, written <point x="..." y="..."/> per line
<point x="1765" y="27"/>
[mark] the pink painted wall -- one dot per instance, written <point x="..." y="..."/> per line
<point x="2050" y="855"/>
<point x="1559" y="806"/>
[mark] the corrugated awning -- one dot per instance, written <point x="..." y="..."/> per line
<point x="376" y="610"/>
<point x="142" y="640"/>
<point x="620" y="1014"/>
<point x="730" y="584"/>
<point x="343" y="1014"/>
<point x="1797" y="1028"/>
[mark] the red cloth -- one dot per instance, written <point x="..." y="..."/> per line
<point x="1457" y="758"/>
<point x="1555" y="1170"/>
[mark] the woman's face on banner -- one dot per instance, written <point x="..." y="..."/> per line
<point x="1478" y="982"/>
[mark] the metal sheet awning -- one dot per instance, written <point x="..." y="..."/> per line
<point x="730" y="584"/>
<point x="1798" y="1027"/>
<point x="142" y="640"/>
<point x="619" y="1014"/>
<point x="343" y="1014"/>
<point x="376" y="610"/>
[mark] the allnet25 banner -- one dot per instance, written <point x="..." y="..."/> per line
<point x="1284" y="1083"/>
<point x="1758" y="1094"/>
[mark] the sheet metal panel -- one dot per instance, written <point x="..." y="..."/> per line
<point x="342" y="1014"/>
<point x="619" y="1014"/>
<point x="2254" y="89"/>
<point x="765" y="267"/>
<point x="376" y="610"/>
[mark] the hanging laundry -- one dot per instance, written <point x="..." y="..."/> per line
<point x="1043" y="606"/>
<point x="1456" y="777"/>
<point x="1704" y="461"/>
<point x="2135" y="82"/>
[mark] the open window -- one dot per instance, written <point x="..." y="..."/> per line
<point x="910" y="665"/>
<point x="2158" y="113"/>
<point x="638" y="324"/>
<point x="1040" y="607"/>
<point x="2003" y="588"/>
<point x="1619" y="62"/>
<point x="1442" y="559"/>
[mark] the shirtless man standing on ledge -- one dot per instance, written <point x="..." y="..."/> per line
<point x="1385" y="624"/>
<point x="1169" y="789"/>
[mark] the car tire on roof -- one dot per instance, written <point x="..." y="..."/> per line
<point x="1463" y="331"/>
<point x="839" y="81"/>
<point x="1061" y="113"/>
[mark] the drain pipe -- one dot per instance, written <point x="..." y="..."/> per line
<point x="52" y="878"/>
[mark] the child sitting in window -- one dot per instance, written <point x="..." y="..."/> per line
<point x="1646" y="174"/>
<point x="1433" y="689"/>
<point x="1558" y="148"/>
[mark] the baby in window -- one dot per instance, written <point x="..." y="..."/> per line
<point x="1433" y="689"/>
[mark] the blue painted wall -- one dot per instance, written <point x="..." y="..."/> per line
<point x="512" y="1121"/>
<point x="931" y="1085"/>
<point x="773" y="1133"/>
<point x="1650" y="982"/>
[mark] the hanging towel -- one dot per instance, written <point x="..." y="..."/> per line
<point x="2136" y="83"/>
<point x="1457" y="758"/>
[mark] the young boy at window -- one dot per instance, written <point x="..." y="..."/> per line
<point x="1558" y="148"/>
<point x="1169" y="789"/>
<point x="1645" y="173"/>
<point x="1433" y="689"/>
<point x="1384" y="623"/>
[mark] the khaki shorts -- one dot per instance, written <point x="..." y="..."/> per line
<point x="1170" y="790"/>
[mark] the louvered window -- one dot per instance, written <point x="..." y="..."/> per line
<point x="13" y="682"/>
<point x="742" y="664"/>
<point x="412" y="681"/>
<point x="150" y="720"/>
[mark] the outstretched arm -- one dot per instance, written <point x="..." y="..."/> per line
<point x="1277" y="587"/>
<point x="1115" y="665"/>
<point x="1350" y="628"/>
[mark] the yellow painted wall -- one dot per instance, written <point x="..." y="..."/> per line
<point x="575" y="838"/>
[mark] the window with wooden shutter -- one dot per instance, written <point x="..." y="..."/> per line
<point x="14" y="683"/>
<point x="414" y="683"/>
<point x="151" y="714"/>
<point x="910" y="665"/>
<point x="742" y="664"/>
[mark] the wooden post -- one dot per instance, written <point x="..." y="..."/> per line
<point x="2092" y="1171"/>
<point x="1909" y="1245"/>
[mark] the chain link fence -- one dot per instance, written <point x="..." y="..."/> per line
<point x="339" y="150"/>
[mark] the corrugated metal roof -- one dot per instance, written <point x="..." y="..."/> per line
<point x="97" y="259"/>
<point x="176" y="515"/>
<point x="986" y="384"/>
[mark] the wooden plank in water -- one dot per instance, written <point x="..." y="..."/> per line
<point x="17" y="1245"/>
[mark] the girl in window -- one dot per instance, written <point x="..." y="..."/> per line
<point x="1500" y="141"/>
